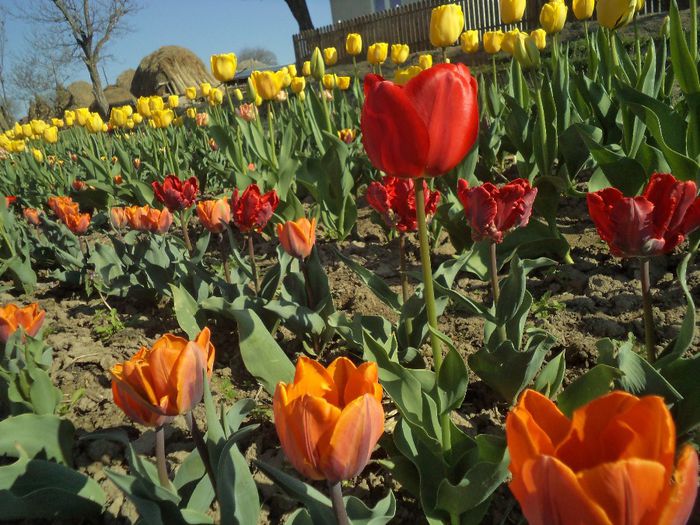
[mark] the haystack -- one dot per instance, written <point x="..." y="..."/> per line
<point x="116" y="96"/>
<point x="169" y="70"/>
<point x="81" y="95"/>
<point x="125" y="78"/>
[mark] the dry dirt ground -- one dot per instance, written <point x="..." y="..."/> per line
<point x="598" y="296"/>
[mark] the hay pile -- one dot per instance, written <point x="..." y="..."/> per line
<point x="169" y="70"/>
<point x="125" y="78"/>
<point x="81" y="95"/>
<point x="116" y="96"/>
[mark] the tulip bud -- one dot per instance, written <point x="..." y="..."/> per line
<point x="205" y="88"/>
<point x="38" y="155"/>
<point x="376" y="53"/>
<point x="216" y="97"/>
<point x="318" y="68"/>
<point x="328" y="81"/>
<point x="553" y="16"/>
<point x="298" y="237"/>
<point x="425" y="61"/>
<point x="583" y="9"/>
<point x="343" y="83"/>
<point x="137" y="163"/>
<point x="298" y="84"/>
<point x="399" y="53"/>
<point x="51" y="135"/>
<point x="238" y="94"/>
<point x="191" y="113"/>
<point x="306" y="68"/>
<point x="173" y="101"/>
<point x="292" y="69"/>
<point x="469" y="41"/>
<point x="665" y="30"/>
<point x="330" y="56"/>
<point x="446" y="24"/>
<point x="353" y="44"/>
<point x="191" y="93"/>
<point x="252" y="94"/>
<point x="539" y="37"/>
<point x="526" y="52"/>
<point x="512" y="10"/>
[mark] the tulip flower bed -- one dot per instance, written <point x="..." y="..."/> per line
<point x="448" y="298"/>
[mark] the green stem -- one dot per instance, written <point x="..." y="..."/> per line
<point x="495" y="289"/>
<point x="649" y="337"/>
<point x="160" y="458"/>
<point x="253" y="265"/>
<point x="429" y="296"/>
<point x="185" y="232"/>
<point x="224" y="260"/>
<point x="271" y="129"/>
<point x="543" y="129"/>
<point x="379" y="66"/>
<point x="405" y="292"/>
<point x="495" y="74"/>
<point x="310" y="300"/>
<point x="637" y="45"/>
<point x="354" y="65"/>
<point x="444" y="55"/>
<point x="341" y="514"/>
<point x="198" y="439"/>
<point x="694" y="29"/>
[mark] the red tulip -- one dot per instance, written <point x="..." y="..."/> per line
<point x="9" y="200"/>
<point x="651" y="224"/>
<point x="395" y="200"/>
<point x="492" y="211"/>
<point x="252" y="211"/>
<point x="613" y="462"/>
<point x="176" y="194"/>
<point x="424" y="128"/>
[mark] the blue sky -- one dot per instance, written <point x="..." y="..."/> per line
<point x="203" y="26"/>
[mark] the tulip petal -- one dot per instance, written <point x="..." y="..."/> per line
<point x="628" y="490"/>
<point x="363" y="380"/>
<point x="549" y="494"/>
<point x="340" y="370"/>
<point x="311" y="378"/>
<point x="445" y="98"/>
<point x="301" y="424"/>
<point x="387" y="112"/>
<point x="679" y="505"/>
<point x="162" y="358"/>
<point x="346" y="453"/>
<point x="186" y="380"/>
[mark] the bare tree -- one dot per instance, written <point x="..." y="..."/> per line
<point x="300" y="11"/>
<point x="259" y="54"/>
<point x="83" y="27"/>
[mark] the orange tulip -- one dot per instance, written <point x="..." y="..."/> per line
<point x="329" y="419"/>
<point x="30" y="318"/>
<point x="117" y="217"/>
<point x="298" y="237"/>
<point x="62" y="206"/>
<point x="163" y="381"/>
<point x="612" y="462"/>
<point x="31" y="215"/>
<point x="78" y="223"/>
<point x="145" y="218"/>
<point x="214" y="214"/>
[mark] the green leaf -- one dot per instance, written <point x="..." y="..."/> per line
<point x="452" y="381"/>
<point x="186" y="309"/>
<point x="549" y="380"/>
<point x="261" y="354"/>
<point x="380" y="514"/>
<point x="33" y="489"/>
<point x="34" y="435"/>
<point x="684" y="67"/>
<point x="236" y="490"/>
<point x="598" y="381"/>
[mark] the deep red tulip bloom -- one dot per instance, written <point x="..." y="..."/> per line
<point x="492" y="211"/>
<point x="9" y="200"/>
<point x="651" y="224"/>
<point x="252" y="211"/>
<point x="395" y="200"/>
<point x="424" y="128"/>
<point x="176" y="194"/>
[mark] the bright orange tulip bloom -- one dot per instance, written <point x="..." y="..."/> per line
<point x="214" y="214"/>
<point x="163" y="381"/>
<point x="78" y="223"/>
<point x="117" y="217"/>
<point x="298" y="237"/>
<point x="329" y="419"/>
<point x="31" y="215"/>
<point x="611" y="463"/>
<point x="62" y="206"/>
<point x="145" y="218"/>
<point x="30" y="318"/>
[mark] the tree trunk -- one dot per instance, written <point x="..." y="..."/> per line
<point x="100" y="99"/>
<point x="300" y="11"/>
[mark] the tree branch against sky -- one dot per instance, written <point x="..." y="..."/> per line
<point x="301" y="14"/>
<point x="82" y="26"/>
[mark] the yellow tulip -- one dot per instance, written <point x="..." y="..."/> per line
<point x="614" y="14"/>
<point x="18" y="146"/>
<point x="553" y="16"/>
<point x="425" y="61"/>
<point x="216" y="97"/>
<point x="173" y="101"/>
<point x="130" y="123"/>
<point x="17" y="129"/>
<point x="329" y="81"/>
<point x="38" y="155"/>
<point x="286" y="77"/>
<point x="399" y="53"/>
<point x="469" y="41"/>
<point x="137" y="118"/>
<point x="238" y="94"/>
<point x="105" y="127"/>
<point x="343" y="83"/>
<point x="223" y="66"/>
<point x="639" y="6"/>
<point x="583" y="9"/>
<point x="526" y="52"/>
<point x="94" y="123"/>
<point x="446" y="24"/>
<point x="162" y="118"/>
<point x="267" y="83"/>
<point x="353" y="44"/>
<point x="27" y="132"/>
<point x="306" y="68"/>
<point x="539" y="37"/>
<point x="128" y="110"/>
<point x="5" y="142"/>
<point x="156" y="103"/>
<point x="205" y="88"/>
<point x="404" y="75"/>
<point x="142" y="106"/>
<point x="298" y="84"/>
<point x="191" y="93"/>
<point x="292" y="69"/>
<point x="81" y="115"/>
<point x="376" y="53"/>
<point x="330" y="56"/>
<point x="509" y="40"/>
<point x="512" y="10"/>
<point x="38" y="126"/>
<point x="191" y="112"/>
<point x="118" y="117"/>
